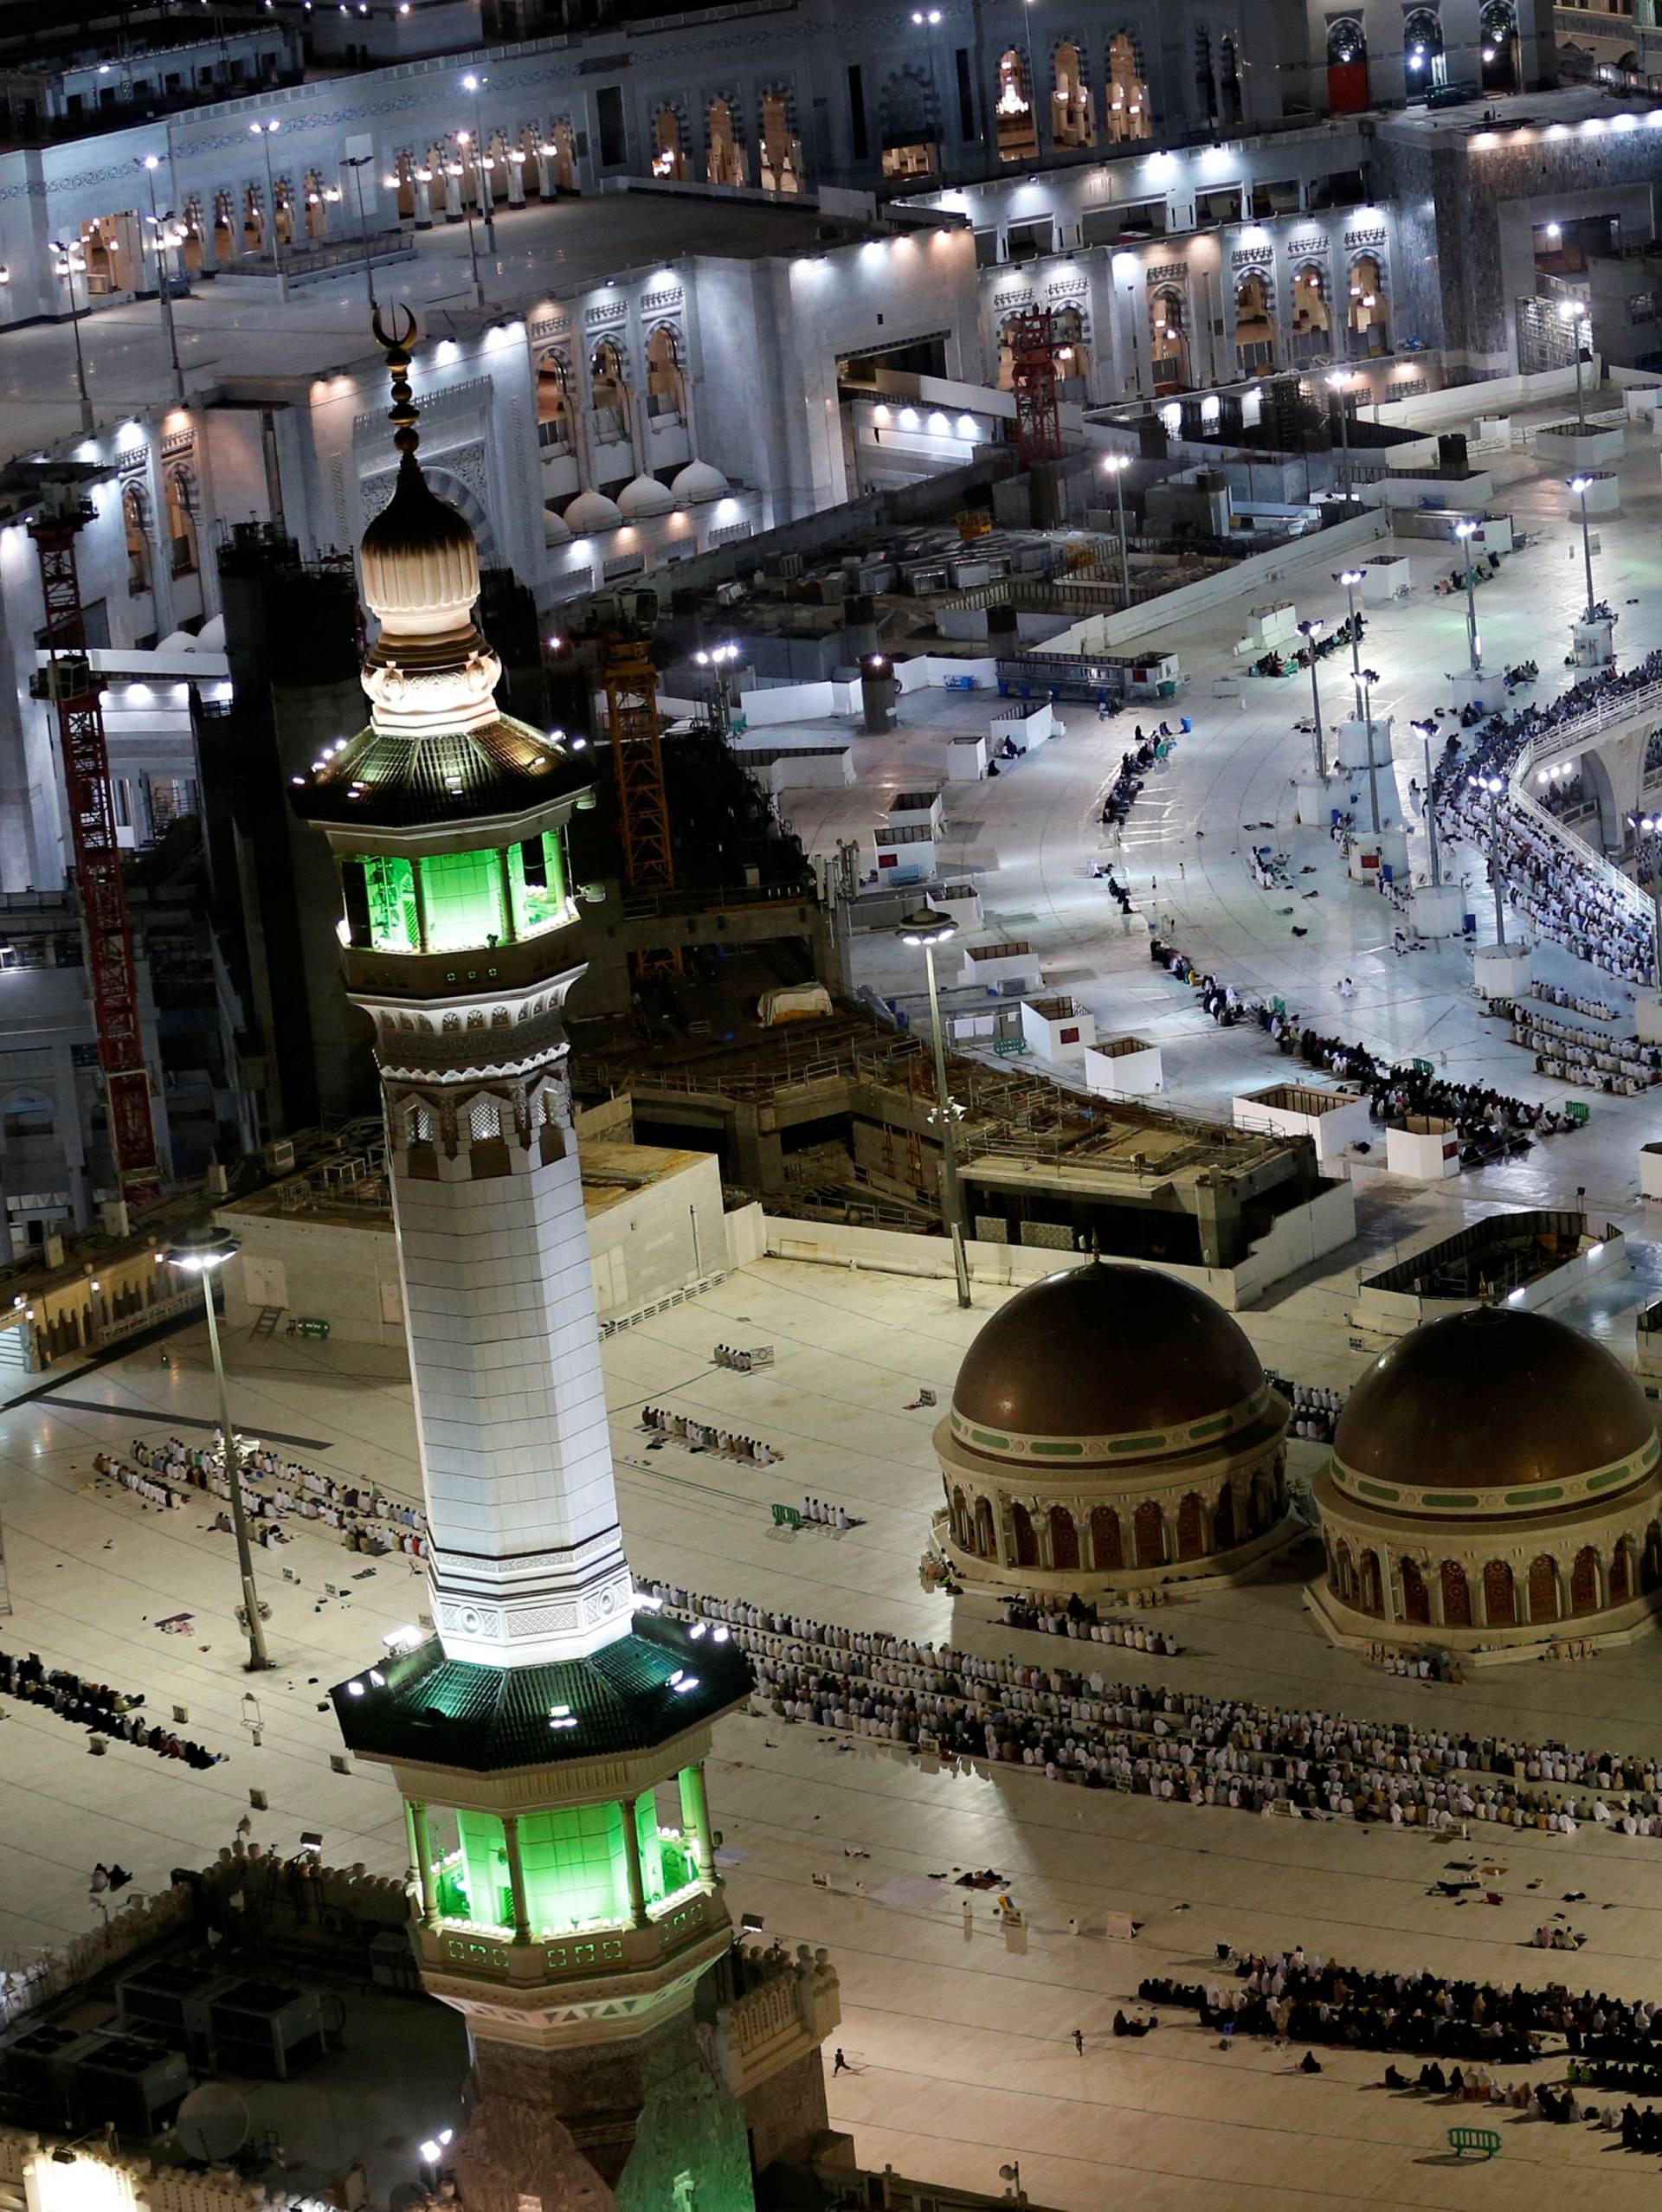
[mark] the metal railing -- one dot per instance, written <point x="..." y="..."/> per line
<point x="1570" y="736"/>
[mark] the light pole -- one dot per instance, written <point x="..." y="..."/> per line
<point x="1582" y="486"/>
<point x="1573" y="313"/>
<point x="928" y="928"/>
<point x="481" y="160"/>
<point x="456" y="169"/>
<point x="355" y="163"/>
<point x="1337" y="382"/>
<point x="1117" y="465"/>
<point x="263" y="131"/>
<point x="1309" y="631"/>
<point x="719" y="657"/>
<point x="1364" y="678"/>
<point x="926" y="19"/>
<point x="72" y="263"/>
<point x="1494" y="785"/>
<point x="152" y="163"/>
<point x="1649" y="825"/>
<point x="1425" y="728"/>
<point x="200" y="1252"/>
<point x="1465" y="532"/>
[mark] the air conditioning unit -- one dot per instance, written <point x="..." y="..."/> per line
<point x="278" y="1156"/>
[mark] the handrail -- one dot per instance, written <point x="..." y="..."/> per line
<point x="1626" y="707"/>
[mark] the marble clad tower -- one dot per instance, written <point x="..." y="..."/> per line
<point x="549" y="1739"/>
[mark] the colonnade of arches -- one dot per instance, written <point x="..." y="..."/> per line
<point x="612" y="398"/>
<point x="1498" y="60"/>
<point x="1568" y="1582"/>
<point x="724" y="156"/>
<point x="181" y="504"/>
<point x="1105" y="1539"/>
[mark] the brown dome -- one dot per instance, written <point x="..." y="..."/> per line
<point x="1108" y="1350"/>
<point x="1494" y="1398"/>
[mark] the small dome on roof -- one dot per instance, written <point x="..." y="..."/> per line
<point x="644" y="495"/>
<point x="554" y="529"/>
<point x="699" y="480"/>
<point x="211" y="636"/>
<point x="590" y="512"/>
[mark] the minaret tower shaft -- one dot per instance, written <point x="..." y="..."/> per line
<point x="549" y="1738"/>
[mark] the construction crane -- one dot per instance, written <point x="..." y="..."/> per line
<point x="1033" y="379"/>
<point x="630" y="682"/>
<point x="68" y="682"/>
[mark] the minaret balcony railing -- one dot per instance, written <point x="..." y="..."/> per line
<point x="674" y="1925"/>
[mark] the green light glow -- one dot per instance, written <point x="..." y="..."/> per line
<point x="573" y="1862"/>
<point x="537" y="884"/>
<point x="462" y="893"/>
<point x="390" y="886"/>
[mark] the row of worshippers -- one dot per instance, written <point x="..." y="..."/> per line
<point x="109" y="1714"/>
<point x="704" y="1436"/>
<point x="365" y="1517"/>
<point x="1179" y="1746"/>
<point x="1486" y="1120"/>
<point x="1052" y="1615"/>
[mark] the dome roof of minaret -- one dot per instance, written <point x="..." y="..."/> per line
<point x="421" y="558"/>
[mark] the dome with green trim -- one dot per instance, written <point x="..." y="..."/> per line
<point x="1103" y="1364"/>
<point x="1495" y="1410"/>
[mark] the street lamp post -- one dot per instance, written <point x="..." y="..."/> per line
<point x="1425" y="728"/>
<point x="201" y="1251"/>
<point x="456" y="169"/>
<point x="1575" y="313"/>
<point x="928" y="928"/>
<point x="263" y="131"/>
<point x="1364" y="678"/>
<point x="1582" y="486"/>
<point x="720" y="658"/>
<point x="1309" y="631"/>
<point x="481" y="160"/>
<point x="1350" y="578"/>
<point x="1494" y="785"/>
<point x="1337" y="382"/>
<point x="355" y="163"/>
<point x="1117" y="465"/>
<point x="1465" y="532"/>
<point x="70" y="264"/>
<point x="158" y="236"/>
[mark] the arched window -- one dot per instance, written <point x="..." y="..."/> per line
<point x="986" y="1544"/>
<point x="254" y="219"/>
<point x="781" y="154"/>
<point x="1457" y="1596"/>
<point x="1168" y="340"/>
<point x="561" y="152"/>
<point x="906" y="111"/>
<point x="317" y="206"/>
<point x="1621" y="1572"/>
<point x="1423" y="62"/>
<point x="1072" y="354"/>
<point x="554" y="403"/>
<point x="285" y="211"/>
<point x="1342" y="1581"/>
<point x="1223" y="1519"/>
<point x="1027" y="1544"/>
<point x="224" y="228"/>
<point x="668" y="155"/>
<point x="1368" y="1595"/>
<point x="1368" y="318"/>
<point x="191" y="250"/>
<point x="1063" y="1539"/>
<point x="182" y="519"/>
<point x="959" y="1521"/>
<point x="1018" y="135"/>
<point x="726" y="164"/>
<point x="666" y="380"/>
<point x="1127" y="95"/>
<point x="1071" y="122"/>
<point x="1191" y="1526"/>
<point x="1254" y="324"/>
<point x="1312" y="320"/>
<point x="1347" y="65"/>
<point x="1498" y="53"/>
<point x="485" y="1119"/>
<point x="1499" y="1596"/>
<point x="1107" y="1547"/>
<point x="1416" y="1605"/>
<point x="1229" y="80"/>
<point x="27" y="1114"/>
<point x="135" y="519"/>
<point x="101" y="251"/>
<point x="1544" y="1589"/>
<point x="609" y="392"/>
<point x="1150" y="1528"/>
<point x="1346" y="42"/>
<point x="1584" y="1581"/>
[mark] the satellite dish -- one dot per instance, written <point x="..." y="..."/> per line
<point x="212" y="2122"/>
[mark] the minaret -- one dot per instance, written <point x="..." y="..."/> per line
<point x="549" y="1739"/>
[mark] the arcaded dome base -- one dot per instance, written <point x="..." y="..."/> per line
<point x="1491" y="1401"/>
<point x="1107" y="1350"/>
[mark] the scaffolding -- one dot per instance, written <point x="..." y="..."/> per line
<point x="68" y="684"/>
<point x="1033" y="379"/>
